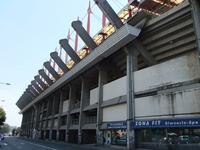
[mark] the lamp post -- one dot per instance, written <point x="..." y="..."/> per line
<point x="5" y="83"/>
<point x="2" y="103"/>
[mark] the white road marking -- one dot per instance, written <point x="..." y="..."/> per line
<point x="39" y="145"/>
<point x="19" y="147"/>
<point x="5" y="144"/>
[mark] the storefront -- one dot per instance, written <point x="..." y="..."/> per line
<point x="73" y="136"/>
<point x="62" y="135"/>
<point x="115" y="133"/>
<point x="89" y="136"/>
<point x="162" y="134"/>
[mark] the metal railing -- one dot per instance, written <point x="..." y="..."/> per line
<point x="76" y="105"/>
<point x="75" y="121"/>
<point x="91" y="120"/>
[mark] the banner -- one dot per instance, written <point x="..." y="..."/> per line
<point x="117" y="125"/>
<point x="167" y="123"/>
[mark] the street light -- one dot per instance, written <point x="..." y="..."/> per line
<point x="5" y="83"/>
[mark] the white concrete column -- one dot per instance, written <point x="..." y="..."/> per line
<point x="71" y="96"/>
<point x="35" y="129"/>
<point x="131" y="67"/>
<point x="52" y="120"/>
<point x="84" y="96"/>
<point x="102" y="79"/>
<point x="60" y="112"/>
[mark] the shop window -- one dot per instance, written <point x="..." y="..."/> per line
<point x="118" y="137"/>
<point x="177" y="138"/>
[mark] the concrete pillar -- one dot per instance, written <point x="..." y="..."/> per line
<point x="52" y="120"/>
<point x="50" y="134"/>
<point x="41" y="128"/>
<point x="35" y="130"/>
<point x="102" y="79"/>
<point x="60" y="112"/>
<point x="48" y="107"/>
<point x="35" y="115"/>
<point x="71" y="97"/>
<point x="131" y="67"/>
<point x="84" y="96"/>
<point x="195" y="6"/>
<point x="44" y="137"/>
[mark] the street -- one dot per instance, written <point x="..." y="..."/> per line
<point x="14" y="143"/>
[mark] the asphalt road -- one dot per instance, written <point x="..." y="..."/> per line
<point x="14" y="143"/>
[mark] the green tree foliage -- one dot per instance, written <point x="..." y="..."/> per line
<point x="2" y="116"/>
<point x="5" y="128"/>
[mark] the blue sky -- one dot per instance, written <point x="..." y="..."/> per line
<point x="29" y="31"/>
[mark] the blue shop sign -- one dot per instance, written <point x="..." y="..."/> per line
<point x="117" y="125"/>
<point x="167" y="123"/>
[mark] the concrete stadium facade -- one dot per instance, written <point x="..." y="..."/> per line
<point x="139" y="88"/>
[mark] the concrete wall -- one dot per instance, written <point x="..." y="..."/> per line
<point x="115" y="113"/>
<point x="176" y="70"/>
<point x="55" y="123"/>
<point x="185" y="102"/>
<point x="49" y="123"/>
<point x="177" y="103"/>
<point x="93" y="96"/>
<point x="173" y="71"/>
<point x="65" y="106"/>
<point x="114" y="89"/>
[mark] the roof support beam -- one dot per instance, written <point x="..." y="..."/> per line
<point x="45" y="77"/>
<point x="77" y="25"/>
<point x="36" y="86"/>
<point x="112" y="44"/>
<point x="19" y="103"/>
<point x="42" y="84"/>
<point x="51" y="70"/>
<point x="31" y="94"/>
<point x="59" y="62"/>
<point x="69" y="50"/>
<point x="148" y="58"/>
<point x="109" y="13"/>
<point x="30" y="87"/>
<point x="28" y="96"/>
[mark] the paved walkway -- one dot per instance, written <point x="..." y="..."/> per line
<point x="61" y="145"/>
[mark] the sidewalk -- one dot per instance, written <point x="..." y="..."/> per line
<point x="84" y="146"/>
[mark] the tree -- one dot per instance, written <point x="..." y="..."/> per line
<point x="5" y="128"/>
<point x="2" y="116"/>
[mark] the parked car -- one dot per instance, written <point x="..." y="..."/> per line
<point x="195" y="139"/>
<point x="171" y="138"/>
<point x="184" y="139"/>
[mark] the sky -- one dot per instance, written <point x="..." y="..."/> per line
<point x="29" y="31"/>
